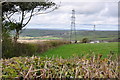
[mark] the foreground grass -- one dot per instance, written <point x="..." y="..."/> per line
<point x="71" y="50"/>
<point x="39" y="67"/>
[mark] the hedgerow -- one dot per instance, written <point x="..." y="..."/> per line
<point x="39" y="67"/>
<point x="9" y="49"/>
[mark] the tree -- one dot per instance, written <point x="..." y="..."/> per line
<point x="85" y="40"/>
<point x="25" y="11"/>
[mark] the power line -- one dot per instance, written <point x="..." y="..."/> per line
<point x="94" y="27"/>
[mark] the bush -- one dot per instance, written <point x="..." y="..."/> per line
<point x="38" y="67"/>
<point x="9" y="49"/>
<point x="44" y="46"/>
<point x="85" y="40"/>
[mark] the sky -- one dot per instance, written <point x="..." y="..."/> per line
<point x="102" y="13"/>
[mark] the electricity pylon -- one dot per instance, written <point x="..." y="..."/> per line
<point x="73" y="29"/>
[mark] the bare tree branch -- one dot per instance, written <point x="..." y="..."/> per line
<point x="22" y="18"/>
<point x="29" y="18"/>
<point x="28" y="71"/>
<point x="8" y="18"/>
<point x="3" y="1"/>
<point x="11" y="15"/>
<point x="42" y="13"/>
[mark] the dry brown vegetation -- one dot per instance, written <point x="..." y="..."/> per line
<point x="38" y="67"/>
<point x="31" y="41"/>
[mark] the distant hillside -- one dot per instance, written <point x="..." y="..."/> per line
<point x="99" y="35"/>
<point x="39" y="33"/>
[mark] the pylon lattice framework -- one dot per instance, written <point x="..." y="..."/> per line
<point x="73" y="29"/>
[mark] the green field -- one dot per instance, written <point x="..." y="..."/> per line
<point x="71" y="50"/>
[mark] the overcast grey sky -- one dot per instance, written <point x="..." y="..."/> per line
<point x="102" y="13"/>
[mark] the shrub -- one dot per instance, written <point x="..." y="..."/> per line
<point x="44" y="46"/>
<point x="85" y="40"/>
<point x="38" y="67"/>
<point x="9" y="49"/>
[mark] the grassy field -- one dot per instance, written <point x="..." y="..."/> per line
<point x="71" y="50"/>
